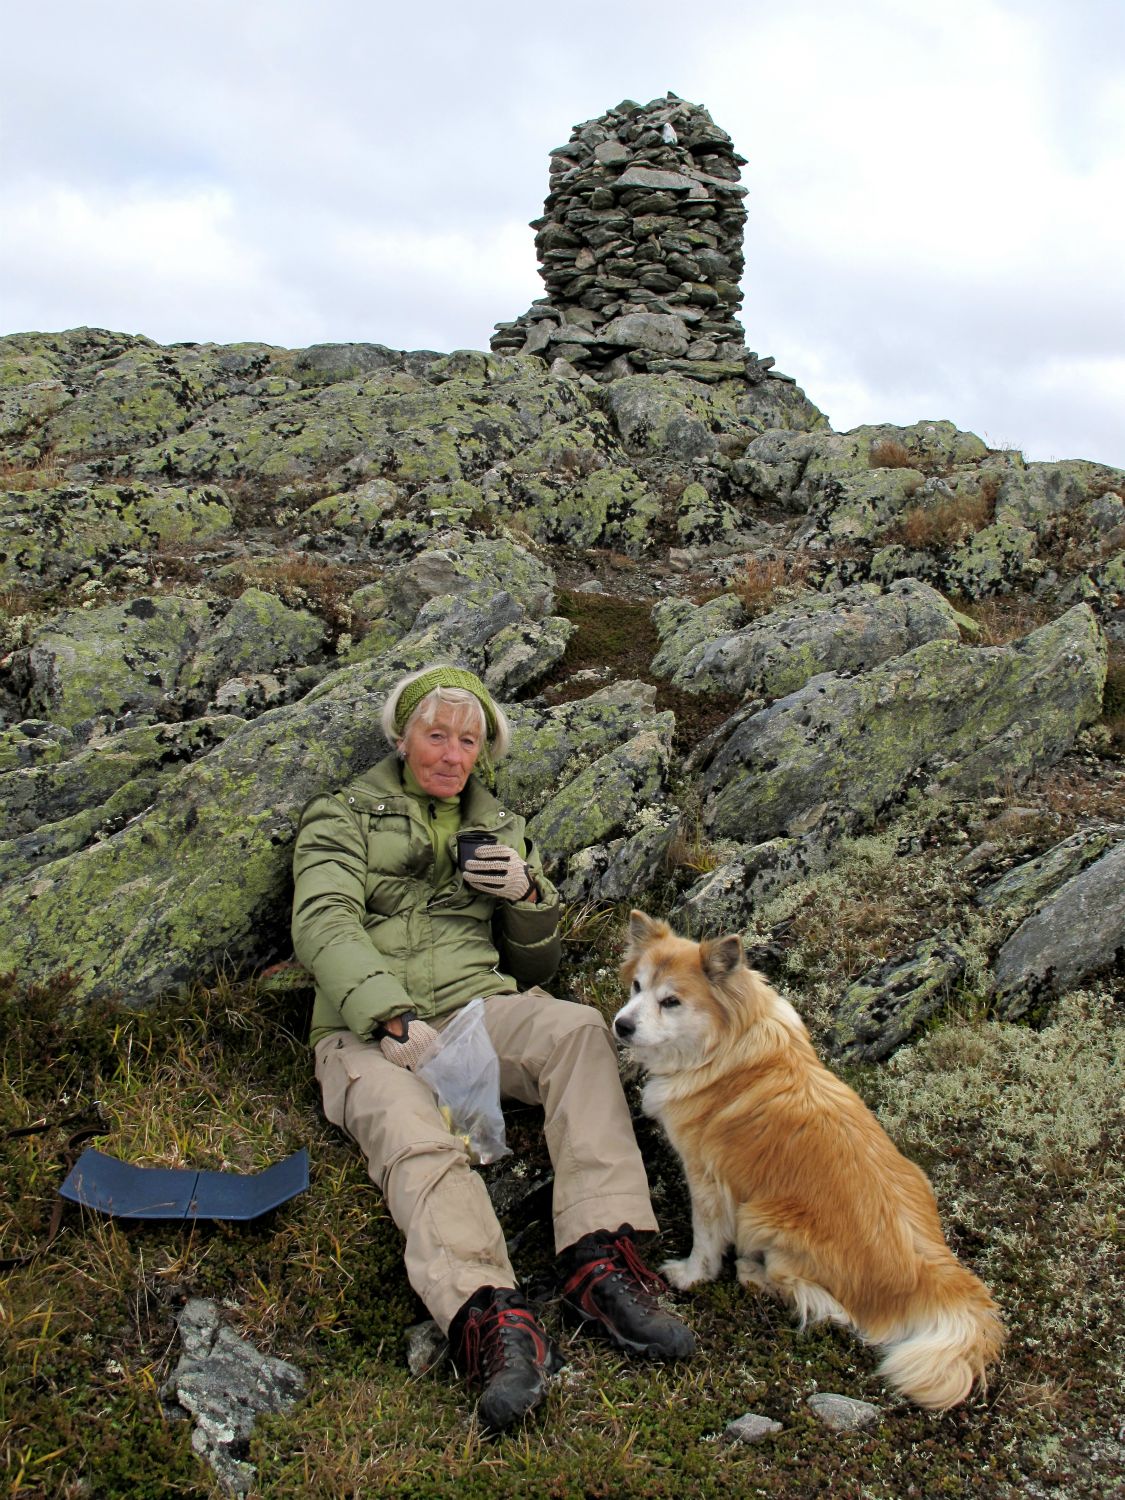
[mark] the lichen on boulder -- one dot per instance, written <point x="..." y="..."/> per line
<point x="848" y="630"/>
<point x="119" y="658"/>
<point x="961" y="718"/>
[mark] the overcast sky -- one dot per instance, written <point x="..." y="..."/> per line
<point x="936" y="187"/>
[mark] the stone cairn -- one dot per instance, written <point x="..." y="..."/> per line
<point x="640" y="247"/>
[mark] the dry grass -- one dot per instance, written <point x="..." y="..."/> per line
<point x="889" y="453"/>
<point x="578" y="463"/>
<point x="1080" y="791"/>
<point x="43" y="473"/>
<point x="945" y="523"/>
<point x="304" y="582"/>
<point x="673" y="486"/>
<point x="691" y="852"/>
<point x="17" y="600"/>
<point x="760" y="581"/>
<point x="1006" y="618"/>
<point x="266" y="499"/>
<point x="874" y="904"/>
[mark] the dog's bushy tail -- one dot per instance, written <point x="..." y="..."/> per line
<point x="947" y="1347"/>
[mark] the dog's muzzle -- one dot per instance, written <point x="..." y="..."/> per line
<point x="623" y="1028"/>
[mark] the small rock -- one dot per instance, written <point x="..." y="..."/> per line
<point x="225" y="1384"/>
<point x="891" y="1003"/>
<point x="426" y="1347"/>
<point x="841" y="1413"/>
<point x="750" y="1428"/>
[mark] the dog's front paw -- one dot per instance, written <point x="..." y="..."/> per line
<point x="682" y="1273"/>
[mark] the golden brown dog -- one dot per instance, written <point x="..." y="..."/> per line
<point x="787" y="1164"/>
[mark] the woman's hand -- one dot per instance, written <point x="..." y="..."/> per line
<point x="497" y="870"/>
<point x="403" y="1040"/>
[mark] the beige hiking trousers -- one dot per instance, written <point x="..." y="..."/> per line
<point x="552" y="1052"/>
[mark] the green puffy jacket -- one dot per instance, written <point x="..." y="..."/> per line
<point x="376" y="935"/>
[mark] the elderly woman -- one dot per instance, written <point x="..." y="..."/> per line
<point x="398" y="939"/>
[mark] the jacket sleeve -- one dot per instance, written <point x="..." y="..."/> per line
<point x="329" y="886"/>
<point x="527" y="932"/>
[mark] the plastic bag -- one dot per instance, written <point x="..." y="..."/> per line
<point x="463" y="1070"/>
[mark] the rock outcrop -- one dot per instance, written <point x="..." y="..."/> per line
<point x="214" y="560"/>
<point x="840" y="749"/>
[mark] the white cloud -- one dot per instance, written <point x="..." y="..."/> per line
<point x="133" y="260"/>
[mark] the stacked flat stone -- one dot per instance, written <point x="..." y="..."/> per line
<point x="640" y="247"/>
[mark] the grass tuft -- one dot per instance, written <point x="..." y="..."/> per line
<point x="762" y="582"/>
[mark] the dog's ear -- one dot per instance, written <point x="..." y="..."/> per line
<point x="721" y="957"/>
<point x="644" y="930"/>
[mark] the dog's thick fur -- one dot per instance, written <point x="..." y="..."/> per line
<point x="787" y="1164"/>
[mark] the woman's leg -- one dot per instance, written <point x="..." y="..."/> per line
<point x="560" y="1055"/>
<point x="454" y="1245"/>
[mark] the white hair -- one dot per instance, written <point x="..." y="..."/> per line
<point x="431" y="705"/>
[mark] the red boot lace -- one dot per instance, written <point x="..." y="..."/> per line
<point x="618" y="1260"/>
<point x="486" y="1334"/>
<point x="650" y="1281"/>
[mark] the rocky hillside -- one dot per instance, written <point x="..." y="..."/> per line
<point x="857" y="696"/>
<point x="719" y="626"/>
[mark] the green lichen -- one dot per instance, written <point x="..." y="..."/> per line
<point x="967" y="719"/>
<point x="65" y="532"/>
<point x="996" y="560"/>
<point x="120" y="657"/>
<point x="601" y="800"/>
<point x="258" y="634"/>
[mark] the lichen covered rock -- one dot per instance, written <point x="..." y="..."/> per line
<point x="607" y="796"/>
<point x="376" y="510"/>
<point x="69" y="532"/>
<point x="887" y="1007"/>
<point x="850" y="630"/>
<point x="618" y="870"/>
<point x="962" y="718"/>
<point x="120" y="658"/>
<point x="1036" y="494"/>
<point x="996" y="560"/>
<point x="1077" y="931"/>
<point x="259" y="633"/>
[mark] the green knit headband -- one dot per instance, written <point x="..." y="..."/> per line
<point x="451" y="677"/>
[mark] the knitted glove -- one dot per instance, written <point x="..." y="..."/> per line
<point x="498" y="871"/>
<point x="406" y="1053"/>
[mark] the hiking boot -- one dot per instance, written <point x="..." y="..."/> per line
<point x="607" y="1283"/>
<point x="496" y="1341"/>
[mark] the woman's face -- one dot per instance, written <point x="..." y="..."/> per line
<point x="443" y="752"/>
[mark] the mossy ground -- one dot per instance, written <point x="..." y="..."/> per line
<point x="618" y="634"/>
